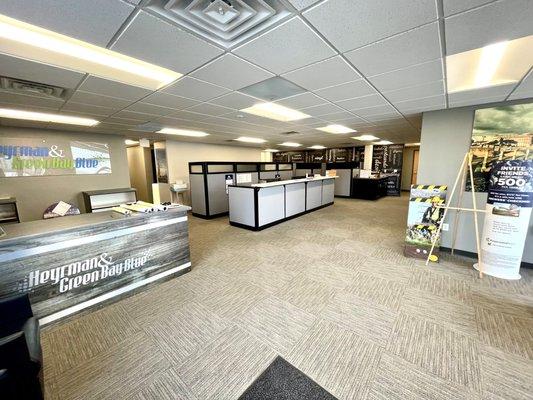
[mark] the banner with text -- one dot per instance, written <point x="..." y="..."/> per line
<point x="38" y="157"/>
<point x="423" y="220"/>
<point x="508" y="210"/>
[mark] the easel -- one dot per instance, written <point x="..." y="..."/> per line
<point x="467" y="163"/>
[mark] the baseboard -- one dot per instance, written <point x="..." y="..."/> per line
<point x="470" y="254"/>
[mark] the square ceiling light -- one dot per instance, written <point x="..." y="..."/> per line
<point x="182" y="132"/>
<point x="272" y="89"/>
<point x="276" y="112"/>
<point x="46" y="117"/>
<point x="496" y="64"/>
<point x="365" y="137"/>
<point x="31" y="42"/>
<point x="336" y="129"/>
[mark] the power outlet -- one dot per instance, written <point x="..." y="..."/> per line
<point x="446" y="227"/>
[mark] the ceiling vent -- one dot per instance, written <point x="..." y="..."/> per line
<point x="226" y="22"/>
<point x="290" y="133"/>
<point x="29" y="88"/>
<point x="148" y="127"/>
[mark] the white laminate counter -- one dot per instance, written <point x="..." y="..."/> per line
<point x="292" y="181"/>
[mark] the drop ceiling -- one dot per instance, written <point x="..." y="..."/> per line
<point x="373" y="66"/>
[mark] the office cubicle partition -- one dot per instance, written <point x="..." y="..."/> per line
<point x="346" y="171"/>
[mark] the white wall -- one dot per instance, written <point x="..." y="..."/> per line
<point x="445" y="140"/>
<point x="35" y="193"/>
<point x="179" y="154"/>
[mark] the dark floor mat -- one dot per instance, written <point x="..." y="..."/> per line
<point x="282" y="381"/>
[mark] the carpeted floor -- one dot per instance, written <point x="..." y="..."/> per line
<point x="331" y="293"/>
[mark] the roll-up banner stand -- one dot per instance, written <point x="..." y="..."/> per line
<point x="509" y="203"/>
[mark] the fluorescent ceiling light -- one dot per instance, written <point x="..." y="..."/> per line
<point x="496" y="64"/>
<point x="383" y="142"/>
<point x="317" y="147"/>
<point x="365" y="137"/>
<point x="182" y="132"/>
<point x="337" y="129"/>
<point x="271" y="150"/>
<point x="412" y="144"/>
<point x="45" y="117"/>
<point x="250" y="139"/>
<point x="275" y="111"/>
<point x="130" y="142"/>
<point x="31" y="42"/>
<point x="290" y="144"/>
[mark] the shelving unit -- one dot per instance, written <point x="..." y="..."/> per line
<point x="105" y="200"/>
<point x="8" y="210"/>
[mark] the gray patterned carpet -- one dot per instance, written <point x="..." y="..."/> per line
<point x="331" y="293"/>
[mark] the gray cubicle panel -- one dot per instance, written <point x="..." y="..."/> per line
<point x="197" y="185"/>
<point x="345" y="172"/>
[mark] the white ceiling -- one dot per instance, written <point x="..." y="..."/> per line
<point x="374" y="66"/>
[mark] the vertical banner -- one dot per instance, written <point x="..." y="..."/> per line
<point x="508" y="211"/>
<point x="423" y="220"/>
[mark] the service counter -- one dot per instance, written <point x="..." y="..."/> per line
<point x="258" y="206"/>
<point x="369" y="188"/>
<point x="72" y="263"/>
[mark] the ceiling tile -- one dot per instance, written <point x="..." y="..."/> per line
<point x="341" y="115"/>
<point x="289" y="46"/>
<point x="371" y="100"/>
<point x="231" y="72"/>
<point x="150" y="109"/>
<point x="376" y="110"/>
<point x="340" y="20"/>
<point x="525" y="89"/>
<point x="88" y="108"/>
<point x="302" y="101"/>
<point x="421" y="105"/>
<point x="99" y="100"/>
<point x="135" y="116"/>
<point x="125" y="120"/>
<point x="495" y="22"/>
<point x="153" y="40"/>
<point x="23" y="100"/>
<point x="169" y="100"/>
<point x="415" y="92"/>
<point x="36" y="72"/>
<point x="115" y="89"/>
<point x="413" y="47"/>
<point x="317" y="111"/>
<point x="495" y="93"/>
<point x="301" y="4"/>
<point x="457" y="6"/>
<point x="94" y="21"/>
<point x="376" y="118"/>
<point x="333" y="71"/>
<point x="210" y="109"/>
<point x="235" y="100"/>
<point x="346" y="91"/>
<point x="195" y="89"/>
<point x="411" y="76"/>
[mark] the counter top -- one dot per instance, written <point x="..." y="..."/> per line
<point x="31" y="228"/>
<point x="291" y="181"/>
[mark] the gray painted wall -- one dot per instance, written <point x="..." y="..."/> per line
<point x="35" y="193"/>
<point x="445" y="139"/>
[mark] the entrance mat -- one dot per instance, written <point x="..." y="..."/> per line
<point x="283" y="381"/>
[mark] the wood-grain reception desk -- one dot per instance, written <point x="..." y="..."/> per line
<point x="69" y="264"/>
<point x="258" y="206"/>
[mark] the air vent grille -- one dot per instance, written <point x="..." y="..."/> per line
<point x="32" y="88"/>
<point x="290" y="133"/>
<point x="226" y="22"/>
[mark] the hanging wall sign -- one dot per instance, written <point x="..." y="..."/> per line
<point x="423" y="220"/>
<point x="508" y="210"/>
<point x="39" y="157"/>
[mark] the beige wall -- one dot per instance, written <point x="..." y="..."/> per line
<point x="35" y="193"/>
<point x="179" y="154"/>
<point x="140" y="168"/>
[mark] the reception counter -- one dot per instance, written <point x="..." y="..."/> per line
<point x="369" y="188"/>
<point x="69" y="264"/>
<point x="258" y="206"/>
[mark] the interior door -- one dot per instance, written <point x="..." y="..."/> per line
<point x="414" y="174"/>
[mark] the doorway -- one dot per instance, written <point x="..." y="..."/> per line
<point x="414" y="173"/>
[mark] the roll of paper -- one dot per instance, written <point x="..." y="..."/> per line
<point x="122" y="210"/>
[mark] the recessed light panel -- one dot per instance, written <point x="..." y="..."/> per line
<point x="30" y="42"/>
<point x="275" y="111"/>
<point x="182" y="132"/>
<point x="336" y="129"/>
<point x="46" y="117"/>
<point x="496" y="64"/>
<point x="250" y="139"/>
<point x="317" y="147"/>
<point x="383" y="142"/>
<point x="365" y="137"/>
<point x="271" y="150"/>
<point x="130" y="142"/>
<point x="290" y="144"/>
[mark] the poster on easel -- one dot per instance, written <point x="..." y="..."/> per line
<point x="508" y="211"/>
<point x="423" y="219"/>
